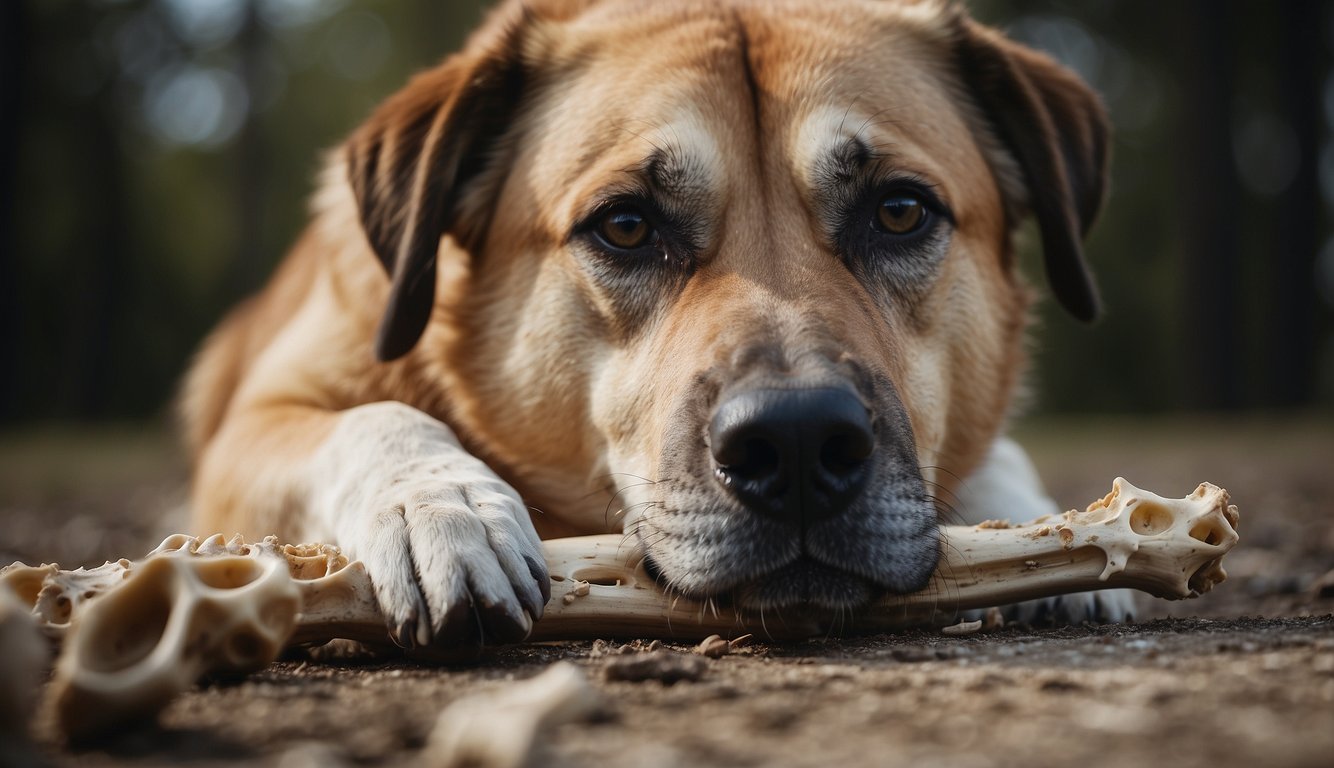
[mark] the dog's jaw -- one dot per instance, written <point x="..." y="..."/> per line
<point x="725" y="554"/>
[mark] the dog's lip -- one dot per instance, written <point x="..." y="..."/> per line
<point x="807" y="587"/>
<point x="803" y="585"/>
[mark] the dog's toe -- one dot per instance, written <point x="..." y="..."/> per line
<point x="473" y="566"/>
<point x="386" y="550"/>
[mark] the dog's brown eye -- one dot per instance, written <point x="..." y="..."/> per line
<point x="901" y="213"/>
<point x="624" y="228"/>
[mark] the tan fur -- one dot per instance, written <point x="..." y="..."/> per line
<point x="525" y="355"/>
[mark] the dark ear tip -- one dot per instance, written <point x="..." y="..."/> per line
<point x="396" y="337"/>
<point x="388" y="349"/>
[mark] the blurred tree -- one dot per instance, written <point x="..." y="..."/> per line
<point x="156" y="157"/>
<point x="1302" y="61"/>
<point x="12" y="39"/>
<point x="1212" y="205"/>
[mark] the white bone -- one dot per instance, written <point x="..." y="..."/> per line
<point x="53" y="595"/>
<point x="126" y="651"/>
<point x="1170" y="548"/>
<point x="172" y="621"/>
<point x="501" y="728"/>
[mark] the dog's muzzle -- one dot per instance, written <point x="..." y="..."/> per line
<point x="795" y="455"/>
<point x="789" y="491"/>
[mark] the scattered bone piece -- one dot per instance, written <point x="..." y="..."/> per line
<point x="23" y="656"/>
<point x="993" y="619"/>
<point x="504" y="728"/>
<point x="174" y="620"/>
<point x="962" y="628"/>
<point x="714" y="647"/>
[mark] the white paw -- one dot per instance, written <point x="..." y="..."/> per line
<point x="448" y="545"/>
<point x="451" y="564"/>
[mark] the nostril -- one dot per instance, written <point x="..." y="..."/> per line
<point x="757" y="459"/>
<point x="844" y="452"/>
<point x="795" y="454"/>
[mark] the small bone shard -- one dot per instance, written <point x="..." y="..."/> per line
<point x="504" y="728"/>
<point x="713" y="647"/>
<point x="962" y="628"/>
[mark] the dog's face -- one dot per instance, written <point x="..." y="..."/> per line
<point x="745" y="265"/>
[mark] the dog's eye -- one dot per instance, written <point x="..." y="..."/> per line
<point x="901" y="213"/>
<point x="625" y="228"/>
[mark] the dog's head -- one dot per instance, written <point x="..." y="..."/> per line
<point x="746" y="266"/>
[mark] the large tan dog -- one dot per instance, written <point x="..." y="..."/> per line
<point x="734" y="277"/>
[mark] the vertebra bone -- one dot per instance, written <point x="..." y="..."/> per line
<point x="172" y="621"/>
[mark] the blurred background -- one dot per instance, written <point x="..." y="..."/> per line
<point x="156" y="157"/>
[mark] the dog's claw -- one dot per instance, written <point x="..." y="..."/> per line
<point x="543" y="578"/>
<point x="402" y="635"/>
<point x="502" y="624"/>
<point x="458" y="626"/>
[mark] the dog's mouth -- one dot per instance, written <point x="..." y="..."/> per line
<point x="803" y="588"/>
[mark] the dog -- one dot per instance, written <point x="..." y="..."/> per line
<point x="733" y="277"/>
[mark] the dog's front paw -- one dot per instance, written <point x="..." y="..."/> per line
<point x="1107" y="606"/>
<point x="454" y="562"/>
<point x="448" y="545"/>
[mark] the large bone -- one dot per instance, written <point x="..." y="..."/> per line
<point x="1170" y="548"/>
<point x="197" y="606"/>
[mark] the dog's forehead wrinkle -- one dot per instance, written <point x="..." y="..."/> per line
<point x="676" y="160"/>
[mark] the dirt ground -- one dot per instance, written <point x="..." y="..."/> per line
<point x="1242" y="676"/>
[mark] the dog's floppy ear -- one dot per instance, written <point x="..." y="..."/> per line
<point x="409" y="162"/>
<point x="1057" y="129"/>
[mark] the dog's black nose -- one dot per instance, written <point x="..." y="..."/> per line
<point x="798" y="455"/>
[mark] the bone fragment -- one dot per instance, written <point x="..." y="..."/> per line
<point x="713" y="647"/>
<point x="53" y="595"/>
<point x="505" y="727"/>
<point x="175" y="619"/>
<point x="962" y="628"/>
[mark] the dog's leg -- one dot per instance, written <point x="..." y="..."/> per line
<point x="1007" y="487"/>
<point x="447" y="543"/>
